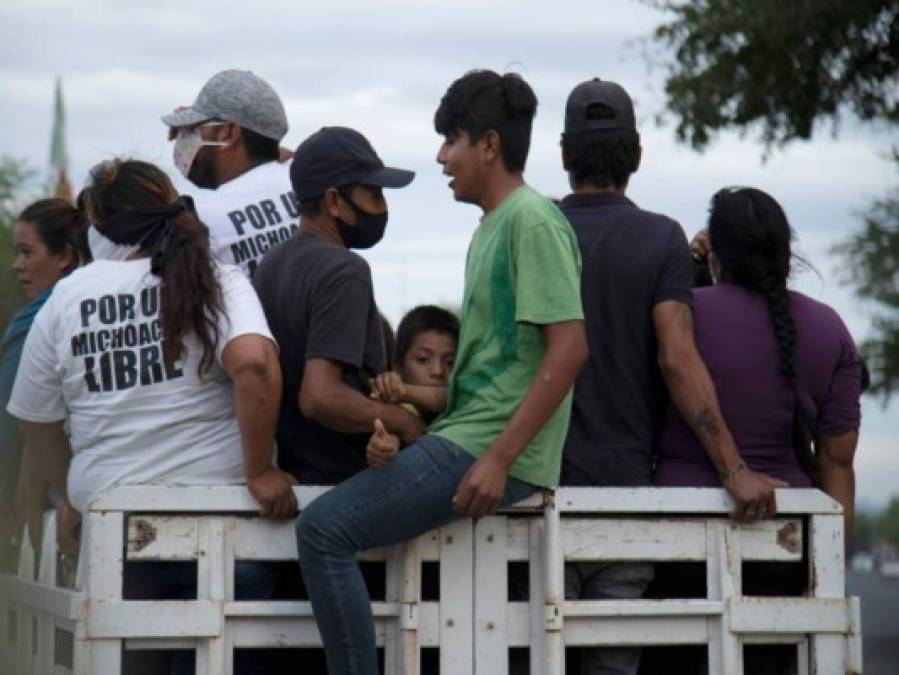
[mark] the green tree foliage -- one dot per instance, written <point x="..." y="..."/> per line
<point x="888" y="522"/>
<point x="871" y="258"/>
<point x="872" y="527"/>
<point x="865" y="531"/>
<point x="782" y="67"/>
<point x="14" y="175"/>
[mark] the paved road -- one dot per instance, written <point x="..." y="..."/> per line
<point x="880" y="621"/>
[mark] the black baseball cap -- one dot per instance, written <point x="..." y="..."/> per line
<point x="597" y="105"/>
<point x="338" y="156"/>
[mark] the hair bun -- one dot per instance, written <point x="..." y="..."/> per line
<point x="518" y="94"/>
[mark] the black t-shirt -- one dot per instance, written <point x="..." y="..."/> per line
<point x="319" y="303"/>
<point x="632" y="260"/>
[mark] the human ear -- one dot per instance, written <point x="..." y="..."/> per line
<point x="331" y="200"/>
<point x="233" y="134"/>
<point x="491" y="143"/>
<point x="337" y="207"/>
<point x="68" y="259"/>
<point x="566" y="162"/>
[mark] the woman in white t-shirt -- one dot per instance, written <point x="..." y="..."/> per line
<point x="159" y="357"/>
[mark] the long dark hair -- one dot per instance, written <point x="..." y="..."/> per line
<point x="60" y="226"/>
<point x="190" y="295"/>
<point x="751" y="237"/>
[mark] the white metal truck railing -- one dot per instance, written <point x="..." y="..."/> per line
<point x="473" y="624"/>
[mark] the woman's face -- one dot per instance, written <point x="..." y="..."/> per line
<point x="35" y="266"/>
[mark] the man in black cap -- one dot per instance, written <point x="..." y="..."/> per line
<point x="227" y="141"/>
<point x="637" y="299"/>
<point x="318" y="299"/>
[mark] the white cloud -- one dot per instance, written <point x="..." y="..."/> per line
<point x="877" y="466"/>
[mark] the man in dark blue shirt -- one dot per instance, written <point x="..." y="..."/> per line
<point x="636" y="291"/>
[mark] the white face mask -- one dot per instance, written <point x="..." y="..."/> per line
<point x="188" y="143"/>
<point x="106" y="249"/>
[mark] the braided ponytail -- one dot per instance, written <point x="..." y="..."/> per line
<point x="784" y="326"/>
<point x="804" y="427"/>
<point x="750" y="235"/>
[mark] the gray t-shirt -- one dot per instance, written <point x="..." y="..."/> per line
<point x="319" y="303"/>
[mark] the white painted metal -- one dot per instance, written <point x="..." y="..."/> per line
<point x="829" y="652"/>
<point x="215" y="584"/>
<point x="409" y="568"/>
<point x="160" y="619"/>
<point x="103" y="544"/>
<point x="401" y="641"/>
<point x="236" y="499"/>
<point x="553" y="592"/>
<point x="533" y="623"/>
<point x="456" y="600"/>
<point x="723" y="579"/>
<point x="490" y="588"/>
<point x="854" y="636"/>
<point x="46" y="572"/>
<point x="473" y="624"/>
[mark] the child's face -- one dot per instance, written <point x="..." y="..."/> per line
<point x="429" y="359"/>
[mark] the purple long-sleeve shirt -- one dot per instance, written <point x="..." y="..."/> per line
<point x="735" y="337"/>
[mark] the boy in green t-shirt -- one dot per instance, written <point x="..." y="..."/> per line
<point x="509" y="395"/>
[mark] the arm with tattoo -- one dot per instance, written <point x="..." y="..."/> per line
<point x="693" y="393"/>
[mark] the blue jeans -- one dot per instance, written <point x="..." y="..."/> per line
<point x="608" y="581"/>
<point x="590" y="581"/>
<point x="376" y="507"/>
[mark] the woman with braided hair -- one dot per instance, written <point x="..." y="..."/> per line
<point x="788" y="379"/>
<point x="786" y="370"/>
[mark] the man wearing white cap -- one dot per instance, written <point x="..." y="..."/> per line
<point x="227" y="142"/>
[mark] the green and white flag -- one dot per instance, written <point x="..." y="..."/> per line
<point x="59" y="158"/>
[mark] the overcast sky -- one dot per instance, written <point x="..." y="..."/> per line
<point x="382" y="67"/>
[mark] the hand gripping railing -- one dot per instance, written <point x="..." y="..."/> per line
<point x="474" y="624"/>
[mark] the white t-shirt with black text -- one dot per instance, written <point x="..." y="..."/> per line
<point x="94" y="356"/>
<point x="248" y="215"/>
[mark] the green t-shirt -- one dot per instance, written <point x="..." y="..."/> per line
<point x="522" y="272"/>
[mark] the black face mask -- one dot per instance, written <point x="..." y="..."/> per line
<point x="368" y="230"/>
<point x="202" y="170"/>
